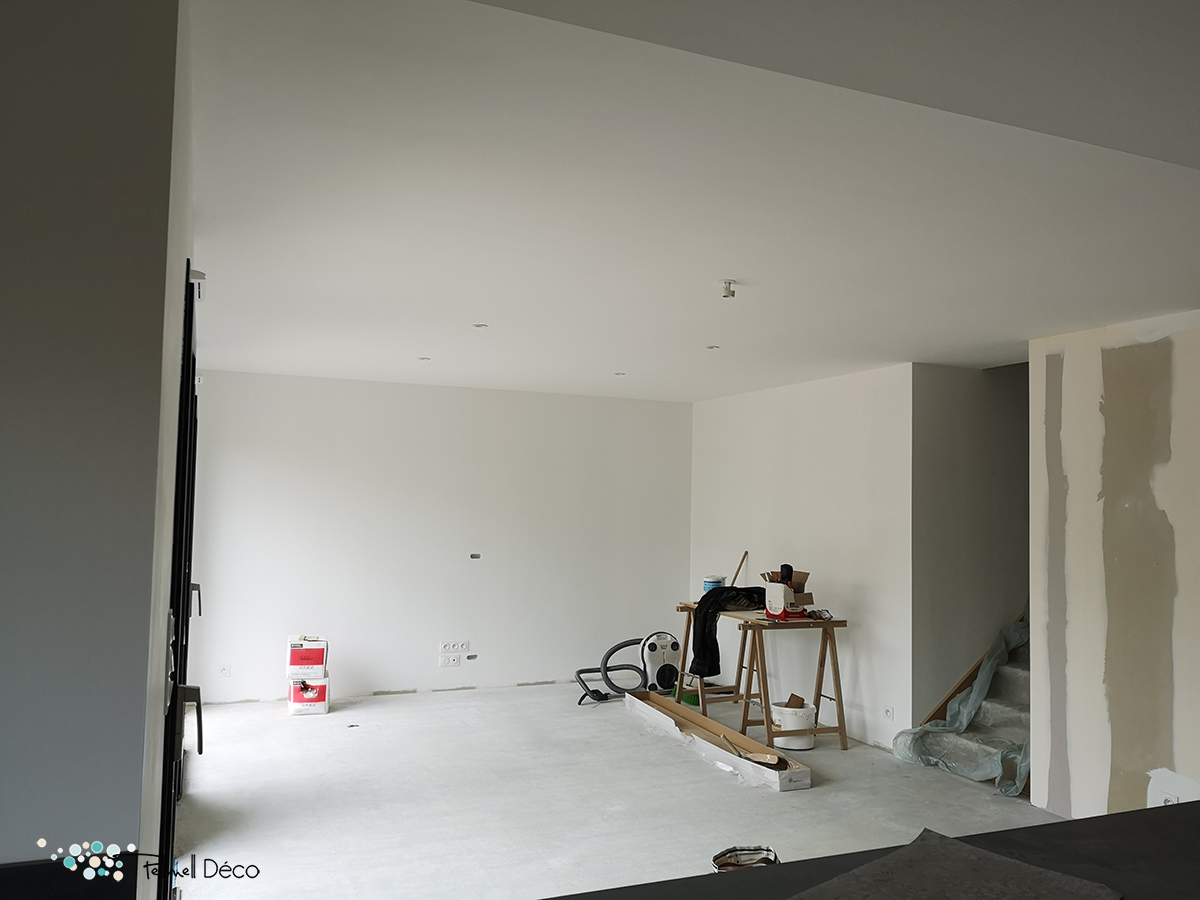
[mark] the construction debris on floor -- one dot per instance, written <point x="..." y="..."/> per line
<point x="727" y="748"/>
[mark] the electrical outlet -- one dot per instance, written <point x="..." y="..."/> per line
<point x="1170" y="799"/>
<point x="449" y="659"/>
<point x="889" y="713"/>
<point x="225" y="671"/>
<point x="454" y="646"/>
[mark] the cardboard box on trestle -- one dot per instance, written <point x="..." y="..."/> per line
<point x="784" y="603"/>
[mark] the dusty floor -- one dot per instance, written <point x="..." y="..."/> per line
<point x="519" y="793"/>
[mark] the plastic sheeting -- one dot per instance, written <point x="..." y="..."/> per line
<point x="990" y="754"/>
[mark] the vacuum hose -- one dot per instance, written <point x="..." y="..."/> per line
<point x="604" y="668"/>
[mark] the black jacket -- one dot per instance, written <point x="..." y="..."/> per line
<point x="706" y="655"/>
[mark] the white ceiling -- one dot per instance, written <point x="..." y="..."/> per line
<point x="1115" y="73"/>
<point x="374" y="177"/>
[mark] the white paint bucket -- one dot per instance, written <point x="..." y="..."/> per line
<point x="789" y="718"/>
<point x="713" y="581"/>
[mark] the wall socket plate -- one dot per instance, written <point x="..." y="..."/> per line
<point x="225" y="671"/>
<point x="454" y="646"/>
<point x="449" y="659"/>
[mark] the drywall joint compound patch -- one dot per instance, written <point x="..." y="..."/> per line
<point x="1139" y="568"/>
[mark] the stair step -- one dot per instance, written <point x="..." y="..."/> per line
<point x="996" y="713"/>
<point x="1010" y="683"/>
<point x="1019" y="656"/>
<point x="969" y="751"/>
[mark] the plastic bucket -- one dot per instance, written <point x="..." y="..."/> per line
<point x="713" y="581"/>
<point x="789" y="718"/>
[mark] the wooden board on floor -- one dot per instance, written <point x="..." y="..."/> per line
<point x="707" y="737"/>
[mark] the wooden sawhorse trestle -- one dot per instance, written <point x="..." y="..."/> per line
<point x="750" y="676"/>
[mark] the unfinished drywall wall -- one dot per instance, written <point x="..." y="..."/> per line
<point x="1057" y="486"/>
<point x="1120" y="411"/>
<point x="351" y="509"/>
<point x="88" y="142"/>
<point x="1139" y="567"/>
<point x="970" y="518"/>
<point x="818" y="475"/>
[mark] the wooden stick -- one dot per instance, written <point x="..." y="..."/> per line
<point x="770" y="760"/>
<point x="747" y="694"/>
<point x="683" y="663"/>
<point x="820" y="685"/>
<point x="837" y="686"/>
<point x="738" y="572"/>
<point x="764" y="692"/>
<point x="733" y="748"/>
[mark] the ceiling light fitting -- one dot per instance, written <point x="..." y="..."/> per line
<point x="422" y="359"/>
<point x="727" y="292"/>
<point x="713" y="347"/>
<point x="618" y="373"/>
<point x="480" y="325"/>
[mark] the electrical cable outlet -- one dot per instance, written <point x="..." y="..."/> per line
<point x="449" y="659"/>
<point x="225" y="671"/>
<point x="454" y="646"/>
<point x="889" y="713"/>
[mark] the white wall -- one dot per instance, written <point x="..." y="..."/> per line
<point x="1099" y="720"/>
<point x="350" y="509"/>
<point x="818" y="475"/>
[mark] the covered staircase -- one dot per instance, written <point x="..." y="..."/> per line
<point x="990" y="743"/>
<point x="1003" y="718"/>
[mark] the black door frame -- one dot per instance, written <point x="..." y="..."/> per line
<point x="179" y="616"/>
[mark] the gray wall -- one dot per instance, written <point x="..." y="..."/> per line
<point x="87" y="112"/>
<point x="970" y="535"/>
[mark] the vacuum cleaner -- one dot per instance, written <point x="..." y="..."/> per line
<point x="659" y="671"/>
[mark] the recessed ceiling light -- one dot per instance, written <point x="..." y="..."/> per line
<point x="713" y="347"/>
<point x="423" y="358"/>
<point x="480" y="325"/>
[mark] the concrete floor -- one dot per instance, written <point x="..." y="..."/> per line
<point x="519" y="793"/>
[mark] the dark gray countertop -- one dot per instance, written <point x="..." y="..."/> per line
<point x="1146" y="854"/>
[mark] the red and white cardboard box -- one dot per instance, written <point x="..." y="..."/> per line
<point x="307" y="656"/>
<point x="784" y="603"/>
<point x="308" y="696"/>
